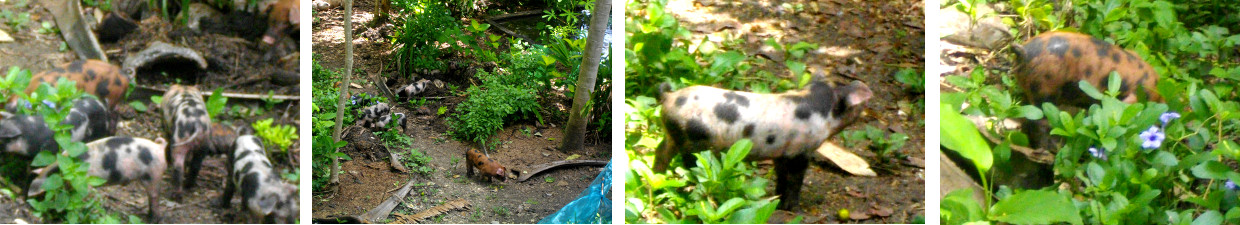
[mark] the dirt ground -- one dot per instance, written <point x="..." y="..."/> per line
<point x="368" y="179"/>
<point x="235" y="65"/>
<point x="858" y="40"/>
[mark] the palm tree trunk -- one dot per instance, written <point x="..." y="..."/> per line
<point x="579" y="117"/>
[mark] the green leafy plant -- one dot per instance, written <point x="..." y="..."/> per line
<point x="427" y="25"/>
<point x="488" y="106"/>
<point x="280" y="136"/>
<point x="722" y="189"/>
<point x="886" y="145"/>
<point x="216" y="103"/>
<point x="270" y="101"/>
<point x="69" y="196"/>
<point x="418" y="162"/>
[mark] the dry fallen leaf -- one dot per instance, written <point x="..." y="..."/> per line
<point x="846" y="160"/>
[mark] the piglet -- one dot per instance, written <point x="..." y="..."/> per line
<point x="266" y="197"/>
<point x="408" y="91"/>
<point x="785" y="127"/>
<point x="487" y="167"/>
<point x="281" y="15"/>
<point x="95" y="77"/>
<point x="187" y="125"/>
<point x="376" y="116"/>
<point x="120" y="160"/>
<point x="27" y="135"/>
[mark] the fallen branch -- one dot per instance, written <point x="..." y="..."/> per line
<point x="432" y="212"/>
<point x="384" y="209"/>
<point x="520" y="14"/>
<point x="510" y="32"/>
<point x="231" y="95"/>
<point x="563" y="163"/>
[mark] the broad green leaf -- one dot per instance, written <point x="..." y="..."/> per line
<point x="960" y="207"/>
<point x="959" y="135"/>
<point x="1211" y="217"/>
<point x="1090" y="90"/>
<point x="1035" y="207"/>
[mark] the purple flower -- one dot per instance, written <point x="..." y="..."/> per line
<point x="49" y="103"/>
<point x="1152" y="138"/>
<point x="1231" y="185"/>
<point x="1168" y="117"/>
<point x="1098" y="153"/>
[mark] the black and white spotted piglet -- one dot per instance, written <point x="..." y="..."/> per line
<point x="27" y="135"/>
<point x="784" y="127"/>
<point x="379" y="115"/>
<point x="120" y="160"/>
<point x="408" y="91"/>
<point x="186" y="124"/>
<point x="266" y="197"/>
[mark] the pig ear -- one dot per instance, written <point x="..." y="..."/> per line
<point x="267" y="204"/>
<point x="860" y="93"/>
<point x="293" y="15"/>
<point x="9" y="129"/>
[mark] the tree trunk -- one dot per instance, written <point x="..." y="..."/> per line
<point x="579" y="117"/>
<point x="344" y="87"/>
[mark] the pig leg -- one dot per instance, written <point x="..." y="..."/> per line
<point x="790" y="175"/>
<point x="178" y="173"/>
<point x="195" y="164"/>
<point x="663" y="155"/>
<point x="152" y="192"/>
<point x="469" y="166"/>
<point x="230" y="185"/>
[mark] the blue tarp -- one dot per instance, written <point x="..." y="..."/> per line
<point x="592" y="206"/>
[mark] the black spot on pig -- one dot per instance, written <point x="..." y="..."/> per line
<point x="249" y="185"/>
<point x="117" y="142"/>
<point x="248" y="166"/>
<point x="102" y="88"/>
<point x="243" y="154"/>
<point x="1103" y="47"/>
<point x="145" y="156"/>
<point x="727" y="112"/>
<point x="770" y="139"/>
<point x="697" y="130"/>
<point x="680" y="101"/>
<point x="748" y="130"/>
<point x="731" y="96"/>
<point x="109" y="164"/>
<point x="820" y="100"/>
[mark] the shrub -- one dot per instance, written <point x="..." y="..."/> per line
<point x="69" y="197"/>
<point x="427" y="25"/>
<point x="488" y="107"/>
<point x="723" y="189"/>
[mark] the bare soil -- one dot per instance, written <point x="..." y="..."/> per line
<point x="368" y="179"/>
<point x="858" y="40"/>
<point x="235" y="64"/>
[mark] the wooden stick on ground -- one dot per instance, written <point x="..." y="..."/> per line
<point x="232" y="95"/>
<point x="564" y="163"/>
<point x="381" y="212"/>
